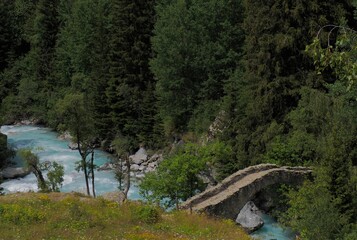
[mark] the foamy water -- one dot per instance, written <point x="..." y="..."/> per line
<point x="45" y="143"/>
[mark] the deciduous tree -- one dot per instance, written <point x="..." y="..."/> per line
<point x="77" y="119"/>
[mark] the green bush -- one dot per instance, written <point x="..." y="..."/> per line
<point x="147" y="214"/>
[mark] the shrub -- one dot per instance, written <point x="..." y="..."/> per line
<point x="147" y="214"/>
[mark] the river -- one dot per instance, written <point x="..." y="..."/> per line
<point x="46" y="144"/>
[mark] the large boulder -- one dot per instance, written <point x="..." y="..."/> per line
<point x="248" y="217"/>
<point x="139" y="157"/>
<point x="134" y="167"/>
<point x="12" y="172"/>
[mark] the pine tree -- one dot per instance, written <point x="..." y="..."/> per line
<point x="7" y="33"/>
<point x="99" y="75"/>
<point x="276" y="68"/>
<point x="44" y="41"/>
<point x="129" y="73"/>
<point x="197" y="45"/>
<point x="82" y="54"/>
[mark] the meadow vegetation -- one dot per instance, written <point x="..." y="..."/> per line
<point x="75" y="216"/>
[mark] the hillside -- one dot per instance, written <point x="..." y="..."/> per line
<point x="73" y="216"/>
<point x="215" y="86"/>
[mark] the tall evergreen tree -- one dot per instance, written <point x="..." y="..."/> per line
<point x="197" y="45"/>
<point x="82" y="54"/>
<point x="129" y="73"/>
<point x="99" y="74"/>
<point x="7" y="33"/>
<point x="44" y="41"/>
<point x="275" y="68"/>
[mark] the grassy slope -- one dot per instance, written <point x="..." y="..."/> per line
<point x="70" y="216"/>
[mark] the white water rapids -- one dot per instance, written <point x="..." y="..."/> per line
<point x="45" y="143"/>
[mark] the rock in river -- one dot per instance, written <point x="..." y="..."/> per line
<point x="139" y="157"/>
<point x="248" y="217"/>
<point x="12" y="172"/>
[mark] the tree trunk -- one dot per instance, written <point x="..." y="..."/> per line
<point x="84" y="165"/>
<point x="40" y="179"/>
<point x="84" y="162"/>
<point x="177" y="202"/>
<point x="92" y="171"/>
<point x="127" y="161"/>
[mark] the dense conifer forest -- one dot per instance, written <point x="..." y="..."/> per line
<point x="263" y="81"/>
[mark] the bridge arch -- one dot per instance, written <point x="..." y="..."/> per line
<point x="227" y="198"/>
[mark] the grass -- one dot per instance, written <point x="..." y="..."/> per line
<point x="73" y="216"/>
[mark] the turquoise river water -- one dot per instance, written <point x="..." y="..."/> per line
<point x="45" y="143"/>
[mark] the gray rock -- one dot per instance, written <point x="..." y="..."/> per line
<point x="134" y="167"/>
<point x="139" y="157"/>
<point x="156" y="157"/>
<point x="26" y="122"/>
<point x="248" y="217"/>
<point x="11" y="172"/>
<point x="65" y="136"/>
<point x="106" y="167"/>
<point x="142" y="168"/>
<point x="72" y="146"/>
<point x="140" y="175"/>
<point x="149" y="169"/>
<point x="153" y="165"/>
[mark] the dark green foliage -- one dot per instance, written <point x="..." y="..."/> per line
<point x="27" y="80"/>
<point x="197" y="45"/>
<point x="130" y="88"/>
<point x="334" y="128"/>
<point x="276" y="68"/>
<point x="44" y="40"/>
<point x="7" y="33"/>
<point x="82" y="55"/>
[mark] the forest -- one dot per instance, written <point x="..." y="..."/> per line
<point x="271" y="81"/>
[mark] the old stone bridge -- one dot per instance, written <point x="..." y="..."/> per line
<point x="227" y="198"/>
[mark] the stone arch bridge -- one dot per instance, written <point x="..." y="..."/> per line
<point x="228" y="197"/>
